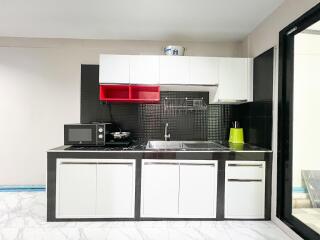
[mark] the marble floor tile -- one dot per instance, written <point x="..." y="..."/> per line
<point x="309" y="216"/>
<point x="23" y="217"/>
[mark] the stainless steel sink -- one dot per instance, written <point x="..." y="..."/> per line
<point x="184" y="145"/>
<point x="164" y="145"/>
<point x="202" y="145"/>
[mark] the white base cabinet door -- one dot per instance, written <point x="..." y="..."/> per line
<point x="160" y="189"/>
<point x="76" y="190"/>
<point x="115" y="190"/>
<point x="198" y="189"/>
<point x="95" y="188"/>
<point x="244" y="199"/>
<point x="245" y="190"/>
<point x="178" y="188"/>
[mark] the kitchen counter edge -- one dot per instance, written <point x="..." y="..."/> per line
<point x="255" y="149"/>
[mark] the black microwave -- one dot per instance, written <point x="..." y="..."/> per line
<point x="91" y="134"/>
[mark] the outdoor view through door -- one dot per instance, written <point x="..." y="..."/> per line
<point x="306" y="127"/>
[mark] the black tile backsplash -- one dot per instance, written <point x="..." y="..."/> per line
<point x="147" y="121"/>
<point x="219" y="121"/>
<point x="183" y="124"/>
<point x="256" y="120"/>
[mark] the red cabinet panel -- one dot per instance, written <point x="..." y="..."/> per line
<point x="130" y="93"/>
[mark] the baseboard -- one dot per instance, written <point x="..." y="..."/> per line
<point x="22" y="188"/>
<point x="285" y="229"/>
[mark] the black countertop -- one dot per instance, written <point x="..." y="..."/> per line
<point x="141" y="147"/>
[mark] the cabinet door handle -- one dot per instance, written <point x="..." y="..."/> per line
<point x="198" y="164"/>
<point x="115" y="163"/>
<point x="77" y="163"/>
<point x="244" y="180"/>
<point x="97" y="163"/>
<point x="184" y="164"/>
<point x="233" y="100"/>
<point x="160" y="163"/>
<point x="244" y="165"/>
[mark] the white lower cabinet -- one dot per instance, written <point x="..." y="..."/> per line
<point x="95" y="188"/>
<point x="105" y="188"/>
<point x="76" y="189"/>
<point x="178" y="188"/>
<point x="198" y="190"/>
<point x="160" y="188"/>
<point x="115" y="189"/>
<point x="245" y="189"/>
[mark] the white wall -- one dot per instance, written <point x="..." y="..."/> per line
<point x="40" y="91"/>
<point x="266" y="35"/>
<point x="306" y="114"/>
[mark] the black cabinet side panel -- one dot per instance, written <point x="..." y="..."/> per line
<point x="263" y="76"/>
<point x="91" y="109"/>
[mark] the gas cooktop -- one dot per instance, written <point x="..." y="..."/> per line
<point x="105" y="148"/>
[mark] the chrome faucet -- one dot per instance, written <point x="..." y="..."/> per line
<point x="166" y="135"/>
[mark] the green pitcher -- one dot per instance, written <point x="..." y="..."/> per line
<point x="236" y="133"/>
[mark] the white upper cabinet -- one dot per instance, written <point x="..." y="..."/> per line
<point x="174" y="70"/>
<point x="204" y="70"/>
<point x="144" y="69"/>
<point x="235" y="80"/>
<point x="232" y="76"/>
<point x="114" y="69"/>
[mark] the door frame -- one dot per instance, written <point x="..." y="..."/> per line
<point x="285" y="123"/>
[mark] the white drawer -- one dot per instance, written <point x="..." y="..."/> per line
<point x="245" y="169"/>
<point x="245" y="199"/>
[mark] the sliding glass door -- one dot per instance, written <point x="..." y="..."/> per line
<point x="306" y="127"/>
<point x="299" y="125"/>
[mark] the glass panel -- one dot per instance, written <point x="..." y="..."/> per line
<point x="306" y="131"/>
<point x="80" y="134"/>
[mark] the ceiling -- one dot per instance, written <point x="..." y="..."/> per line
<point x="187" y="20"/>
